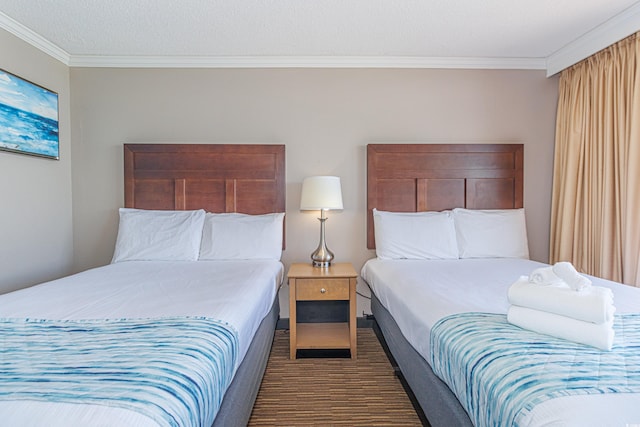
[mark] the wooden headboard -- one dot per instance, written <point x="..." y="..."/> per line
<point x="434" y="177"/>
<point x="215" y="177"/>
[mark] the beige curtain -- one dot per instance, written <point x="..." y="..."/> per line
<point x="595" y="211"/>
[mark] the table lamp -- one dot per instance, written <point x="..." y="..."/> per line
<point x="321" y="193"/>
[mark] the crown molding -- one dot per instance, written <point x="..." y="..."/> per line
<point x="303" y="62"/>
<point x="615" y="29"/>
<point x="34" y="39"/>
<point x="106" y="61"/>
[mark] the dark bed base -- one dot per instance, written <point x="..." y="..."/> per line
<point x="398" y="372"/>
<point x="241" y="395"/>
<point x="438" y="403"/>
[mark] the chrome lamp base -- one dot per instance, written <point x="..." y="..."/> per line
<point x="322" y="256"/>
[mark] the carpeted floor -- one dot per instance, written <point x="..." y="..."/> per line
<point x="332" y="391"/>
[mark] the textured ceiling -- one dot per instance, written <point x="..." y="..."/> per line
<point x="313" y="28"/>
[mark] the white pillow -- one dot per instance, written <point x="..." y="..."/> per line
<point x="241" y="236"/>
<point x="415" y="235"/>
<point x="148" y="235"/>
<point x="499" y="233"/>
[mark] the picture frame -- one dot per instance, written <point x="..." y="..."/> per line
<point x="28" y="118"/>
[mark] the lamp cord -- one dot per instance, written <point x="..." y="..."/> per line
<point x="363" y="296"/>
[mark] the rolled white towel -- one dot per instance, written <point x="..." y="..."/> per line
<point x="596" y="335"/>
<point x="594" y="304"/>
<point x="569" y="274"/>
<point x="545" y="276"/>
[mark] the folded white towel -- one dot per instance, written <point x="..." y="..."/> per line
<point x="545" y="276"/>
<point x="596" y="335"/>
<point x="567" y="272"/>
<point x="594" y="304"/>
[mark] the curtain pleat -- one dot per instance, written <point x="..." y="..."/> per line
<point x="595" y="217"/>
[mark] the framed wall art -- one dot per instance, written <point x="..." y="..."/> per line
<point x="28" y="118"/>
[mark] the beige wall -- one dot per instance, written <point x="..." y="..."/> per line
<point x="36" y="212"/>
<point x="324" y="116"/>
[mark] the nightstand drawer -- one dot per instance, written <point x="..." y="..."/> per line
<point x="322" y="289"/>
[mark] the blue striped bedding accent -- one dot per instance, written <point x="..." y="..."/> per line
<point x="174" y="370"/>
<point x="500" y="372"/>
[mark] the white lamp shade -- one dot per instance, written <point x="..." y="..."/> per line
<point x="321" y="193"/>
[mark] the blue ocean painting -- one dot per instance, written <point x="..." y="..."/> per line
<point x="28" y="117"/>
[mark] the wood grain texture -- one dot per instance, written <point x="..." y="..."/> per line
<point x="332" y="391"/>
<point x="334" y="283"/>
<point x="435" y="177"/>
<point x="246" y="178"/>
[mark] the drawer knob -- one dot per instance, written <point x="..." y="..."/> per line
<point x="323" y="291"/>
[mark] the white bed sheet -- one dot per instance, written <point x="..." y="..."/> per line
<point x="418" y="293"/>
<point x="240" y="293"/>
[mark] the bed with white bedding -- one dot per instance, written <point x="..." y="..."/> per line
<point x="178" y="328"/>
<point x="447" y="223"/>
<point x="238" y="294"/>
<point x="419" y="293"/>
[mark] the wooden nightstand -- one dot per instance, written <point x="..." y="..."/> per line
<point x="335" y="283"/>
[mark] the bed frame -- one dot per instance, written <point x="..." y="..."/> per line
<point x="434" y="177"/>
<point x="217" y="178"/>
